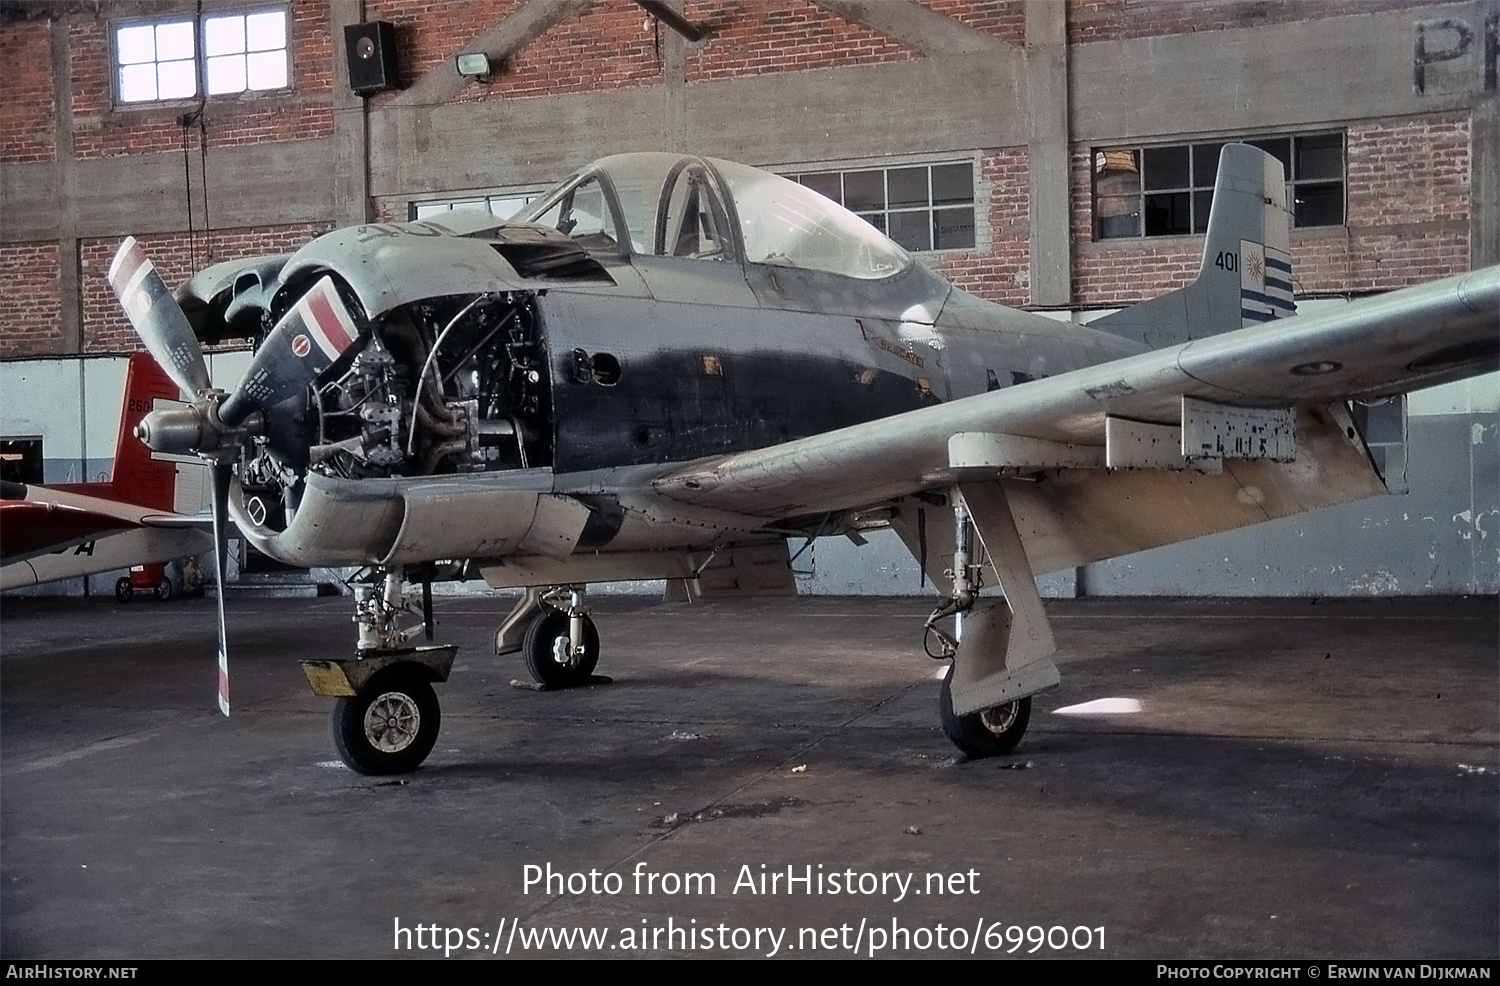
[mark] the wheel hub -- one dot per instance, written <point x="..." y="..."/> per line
<point x="1000" y="718"/>
<point x="392" y="722"/>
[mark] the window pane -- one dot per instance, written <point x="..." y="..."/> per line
<point x="267" y="70"/>
<point x="1320" y="204"/>
<point x="911" y="229"/>
<point x="1205" y="164"/>
<point x="223" y="36"/>
<point x="265" y="32"/>
<point x="174" y="41"/>
<point x="1116" y="216"/>
<point x="425" y="209"/>
<point x="226" y="74"/>
<point x="137" y="83"/>
<point x="908" y="187"/>
<point x="876" y="219"/>
<point x="826" y="184"/>
<point x="1116" y="174"/>
<point x="1321" y="156"/>
<point x="1202" y="203"/>
<point x="176" y="80"/>
<point x="864" y="191"/>
<point x="1280" y="148"/>
<point x="136" y="44"/>
<point x="1167" y="214"/>
<point x="1166" y="167"/>
<point x="953" y="229"/>
<point x="506" y="206"/>
<point x="952" y="184"/>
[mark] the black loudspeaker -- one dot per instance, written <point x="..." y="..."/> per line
<point x="371" y="48"/>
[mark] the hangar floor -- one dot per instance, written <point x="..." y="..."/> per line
<point x="1303" y="780"/>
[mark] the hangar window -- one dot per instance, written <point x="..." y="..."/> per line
<point x="1167" y="190"/>
<point x="223" y="54"/>
<point x="501" y="205"/>
<point x="922" y="207"/>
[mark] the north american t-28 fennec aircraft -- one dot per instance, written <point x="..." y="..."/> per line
<point x="668" y="366"/>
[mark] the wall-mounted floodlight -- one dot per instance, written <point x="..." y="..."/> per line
<point x="473" y="65"/>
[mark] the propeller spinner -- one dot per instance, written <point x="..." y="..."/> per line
<point x="216" y="425"/>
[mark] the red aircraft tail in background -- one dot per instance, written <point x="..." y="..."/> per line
<point x="69" y="530"/>
<point x="137" y="478"/>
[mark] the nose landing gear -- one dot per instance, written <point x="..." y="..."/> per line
<point x="387" y="716"/>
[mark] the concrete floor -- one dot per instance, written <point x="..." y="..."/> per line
<point x="1304" y="780"/>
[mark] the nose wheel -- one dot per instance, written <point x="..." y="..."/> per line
<point x="390" y="726"/>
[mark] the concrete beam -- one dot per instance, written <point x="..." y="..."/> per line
<point x="675" y="85"/>
<point x="916" y="26"/>
<point x="670" y="14"/>
<point x="1245" y="79"/>
<point x="248" y="185"/>
<point x="1047" y="152"/>
<point x="69" y="274"/>
<point x="771" y="119"/>
<point x="351" y="125"/>
<point x="523" y="25"/>
<point x="1484" y="182"/>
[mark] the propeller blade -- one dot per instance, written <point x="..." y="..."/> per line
<point x="157" y="318"/>
<point x="221" y="476"/>
<point x="309" y="337"/>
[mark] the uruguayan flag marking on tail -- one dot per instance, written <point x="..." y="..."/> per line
<point x="1265" y="283"/>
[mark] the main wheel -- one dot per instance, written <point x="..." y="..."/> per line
<point x="163" y="589"/>
<point x="546" y="651"/>
<point x="123" y="590"/>
<point x="390" y="726"/>
<point x="989" y="732"/>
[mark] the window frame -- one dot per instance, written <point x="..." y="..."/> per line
<point x="1195" y="190"/>
<point x="199" y="21"/>
<point x="886" y="165"/>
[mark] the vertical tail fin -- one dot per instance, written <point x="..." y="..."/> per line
<point x="138" y="478"/>
<point x="1245" y="277"/>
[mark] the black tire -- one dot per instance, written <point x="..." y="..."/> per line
<point x="163" y="589"/>
<point x="123" y="590"/>
<point x="539" y="649"/>
<point x="390" y="726"/>
<point x="989" y="732"/>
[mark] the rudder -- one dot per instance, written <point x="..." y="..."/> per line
<point x="137" y="477"/>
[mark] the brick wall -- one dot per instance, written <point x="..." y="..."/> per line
<point x="762" y="37"/>
<point x="608" y="46"/>
<point x="1407" y="222"/>
<point x="1000" y="269"/>
<point x="30" y="299"/>
<point x="1409" y="203"/>
<point x="1113" y="20"/>
<point x="26" y="109"/>
<point x="1003" y="19"/>
<point x="102" y="129"/>
<point x="104" y="326"/>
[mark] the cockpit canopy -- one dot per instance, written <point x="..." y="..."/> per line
<point x="675" y="205"/>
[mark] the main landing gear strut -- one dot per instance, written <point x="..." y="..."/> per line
<point x="1000" y="652"/>
<point x="386" y="717"/>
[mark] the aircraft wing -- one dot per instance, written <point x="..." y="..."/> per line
<point x="48" y="534"/>
<point x="1095" y="488"/>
